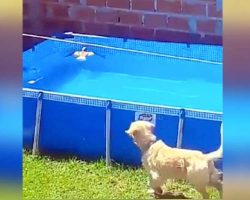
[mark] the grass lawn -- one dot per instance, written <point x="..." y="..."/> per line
<point x="45" y="178"/>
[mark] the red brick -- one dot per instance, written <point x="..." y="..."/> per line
<point x="26" y="9"/>
<point x="180" y="23"/>
<point x="82" y="13"/>
<point x="100" y="3"/>
<point x="207" y="26"/>
<point x="59" y="10"/>
<point x="193" y="8"/>
<point x="118" y="4"/>
<point x="219" y="27"/>
<point x="131" y="18"/>
<point x="142" y="33"/>
<point x="207" y="1"/>
<point x="96" y="29"/>
<point x="53" y="1"/>
<point x="119" y="31"/>
<point x="106" y="15"/>
<point x="173" y="6"/>
<point x="143" y="5"/>
<point x="72" y="2"/>
<point x="72" y="25"/>
<point x="155" y="21"/>
<point x="52" y="26"/>
<point x="43" y="10"/>
<point x="27" y="25"/>
<point x="176" y="36"/>
<point x="213" y="12"/>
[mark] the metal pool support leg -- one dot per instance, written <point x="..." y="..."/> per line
<point x="108" y="123"/>
<point x="35" y="148"/>
<point x="180" y="128"/>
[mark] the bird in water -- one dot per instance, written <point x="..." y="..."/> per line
<point x="83" y="54"/>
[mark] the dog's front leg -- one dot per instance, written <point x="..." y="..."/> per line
<point x="203" y="191"/>
<point x="216" y="180"/>
<point x="155" y="183"/>
<point x="218" y="186"/>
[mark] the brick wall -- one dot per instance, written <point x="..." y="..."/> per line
<point x="191" y="21"/>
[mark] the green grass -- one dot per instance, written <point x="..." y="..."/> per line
<point x="45" y="178"/>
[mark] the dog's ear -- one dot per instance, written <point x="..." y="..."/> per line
<point x="131" y="132"/>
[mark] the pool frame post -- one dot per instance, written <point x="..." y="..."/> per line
<point x="107" y="132"/>
<point x="180" y="128"/>
<point x="35" y="147"/>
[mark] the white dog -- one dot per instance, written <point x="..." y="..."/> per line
<point x="163" y="162"/>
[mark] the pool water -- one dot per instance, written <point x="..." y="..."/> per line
<point x="126" y="76"/>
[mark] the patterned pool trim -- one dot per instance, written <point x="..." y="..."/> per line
<point x="99" y="102"/>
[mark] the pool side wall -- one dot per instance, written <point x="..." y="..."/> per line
<point x="75" y="126"/>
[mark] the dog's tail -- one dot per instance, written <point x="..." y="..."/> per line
<point x="218" y="153"/>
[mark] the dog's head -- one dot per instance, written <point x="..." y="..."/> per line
<point x="142" y="133"/>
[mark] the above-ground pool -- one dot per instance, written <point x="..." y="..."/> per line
<point x="75" y="105"/>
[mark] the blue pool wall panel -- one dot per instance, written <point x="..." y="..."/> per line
<point x="68" y="128"/>
<point x="200" y="134"/>
<point x="122" y="147"/>
<point x="29" y="119"/>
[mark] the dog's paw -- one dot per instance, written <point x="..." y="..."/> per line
<point x="173" y="195"/>
<point x="150" y="191"/>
